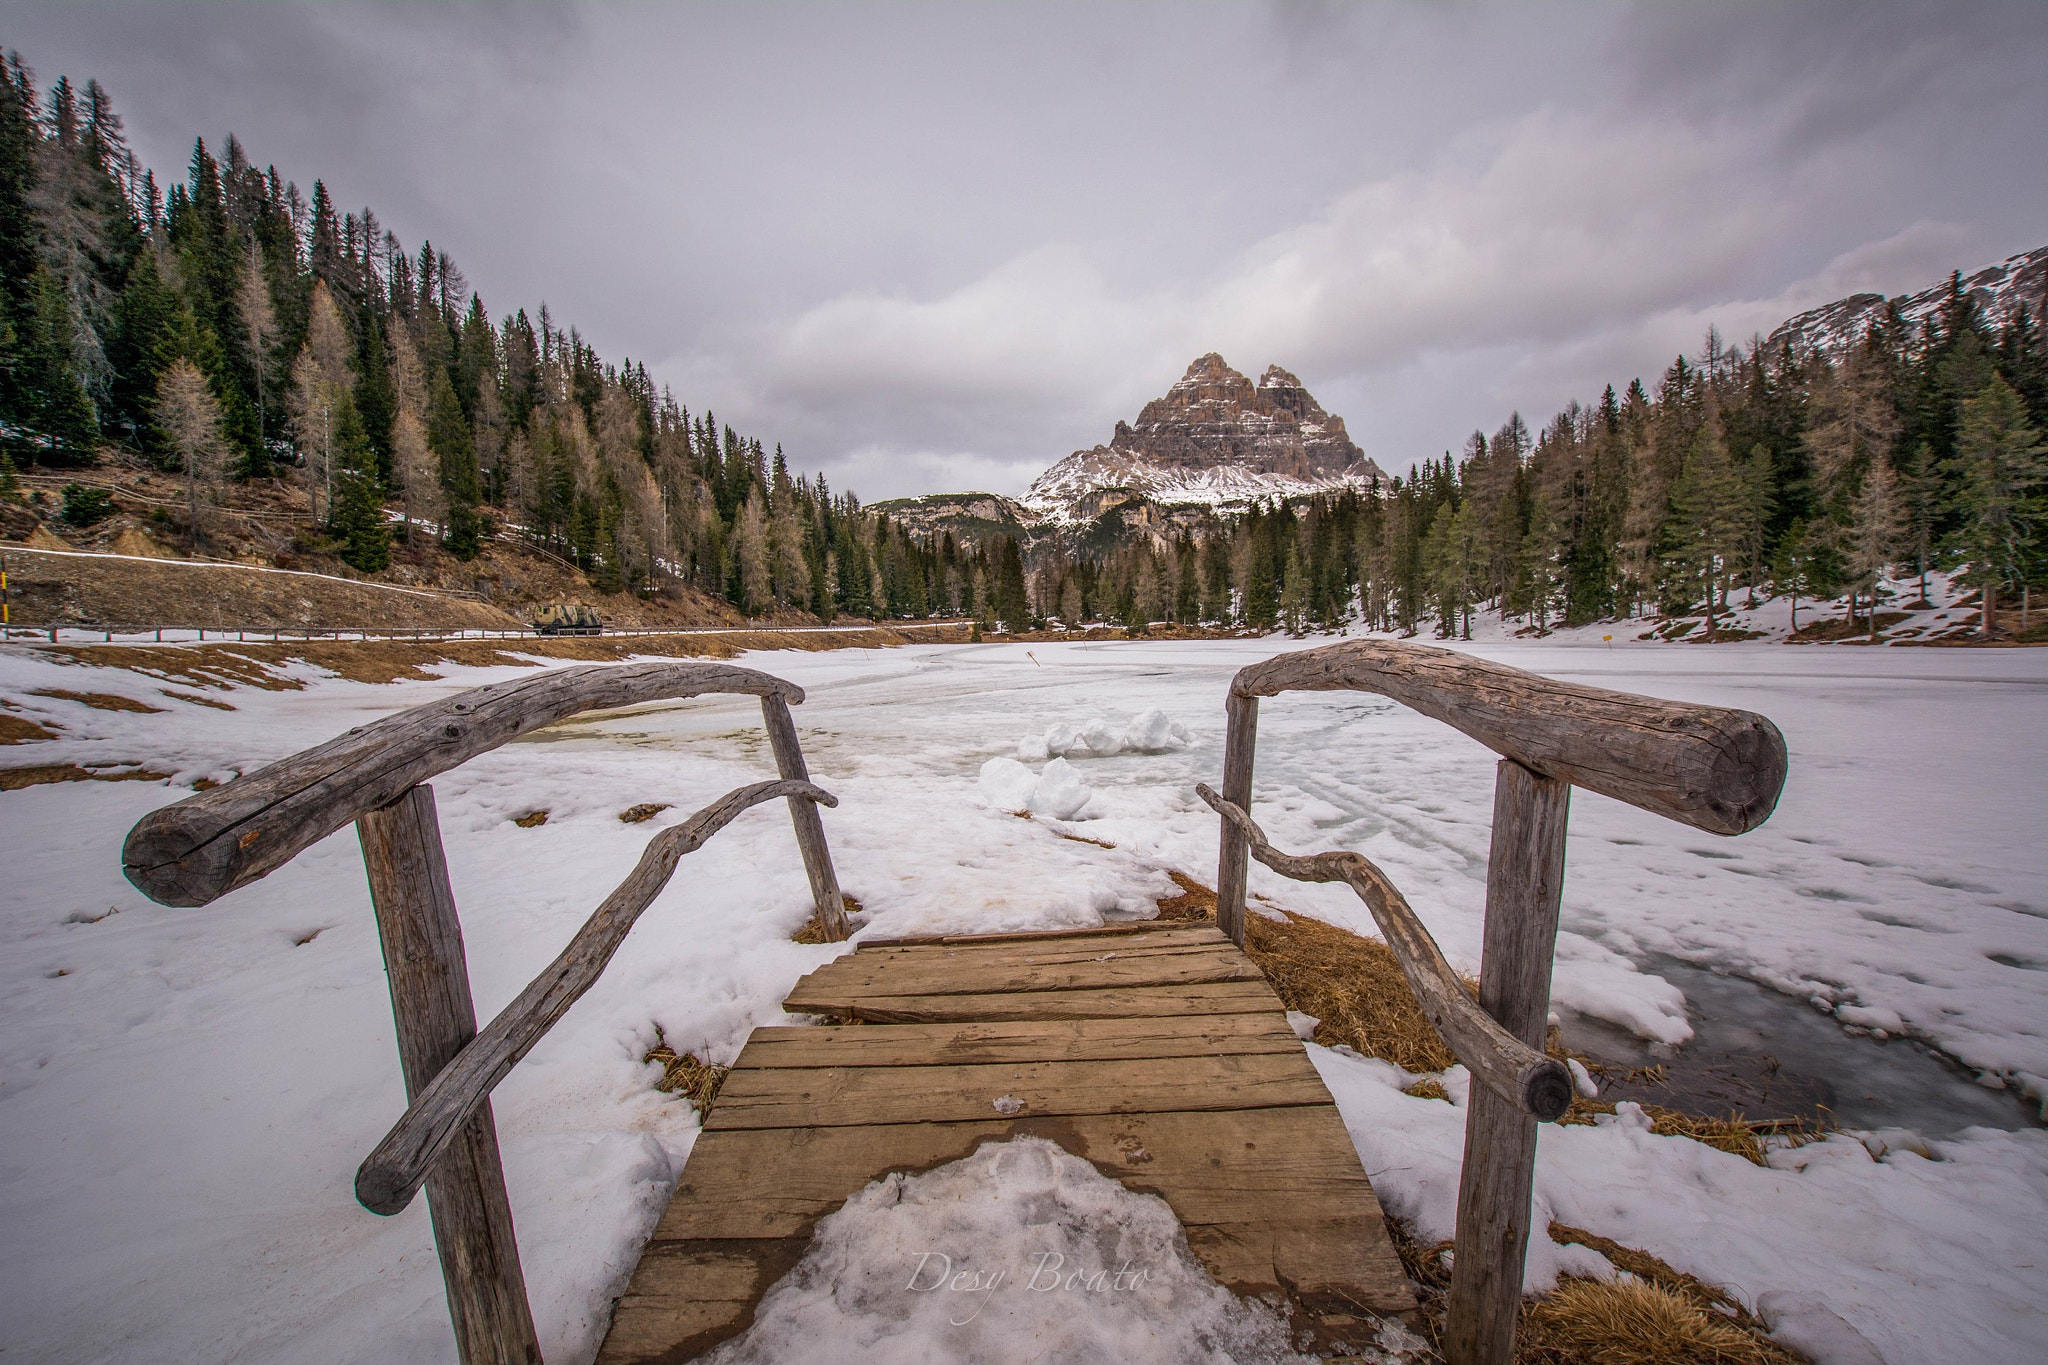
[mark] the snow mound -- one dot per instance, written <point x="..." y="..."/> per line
<point x="1018" y="1252"/>
<point x="1057" y="792"/>
<point x="1150" y="732"/>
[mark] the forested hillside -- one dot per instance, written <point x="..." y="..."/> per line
<point x="1770" y="469"/>
<point x="234" y="329"/>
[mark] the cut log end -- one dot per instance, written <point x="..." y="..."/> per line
<point x="381" y="1191"/>
<point x="1546" y="1091"/>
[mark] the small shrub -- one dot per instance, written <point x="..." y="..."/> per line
<point x="84" y="506"/>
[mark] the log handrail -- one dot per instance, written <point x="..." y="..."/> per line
<point x="1712" y="767"/>
<point x="395" y="1170"/>
<point x="1540" y="1085"/>
<point x="196" y="850"/>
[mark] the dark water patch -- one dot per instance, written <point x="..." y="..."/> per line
<point x="1770" y="1056"/>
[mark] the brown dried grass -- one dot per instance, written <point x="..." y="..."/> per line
<point x="255" y="663"/>
<point x="813" y="931"/>
<point x="21" y="730"/>
<point x="641" y="813"/>
<point x="1353" y="985"/>
<point x="16" y="779"/>
<point x="682" y="1074"/>
<point x="1633" y="1322"/>
<point x="99" y="701"/>
<point x="533" y="819"/>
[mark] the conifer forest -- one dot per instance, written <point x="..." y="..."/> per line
<point x="232" y="327"/>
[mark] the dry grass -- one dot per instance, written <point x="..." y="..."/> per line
<point x="15" y="779"/>
<point x="1355" y="988"/>
<point x="1351" y="984"/>
<point x="1633" y="1322"/>
<point x="533" y="819"/>
<point x="99" y="701"/>
<point x="814" y="932"/>
<point x="256" y="663"/>
<point x="1732" y="1133"/>
<point x="641" y="813"/>
<point x="20" y="730"/>
<point x="682" y="1074"/>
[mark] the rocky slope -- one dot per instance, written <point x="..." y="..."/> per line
<point x="1998" y="290"/>
<point x="1214" y="439"/>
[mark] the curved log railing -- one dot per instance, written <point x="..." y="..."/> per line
<point x="1714" y="768"/>
<point x="200" y="848"/>
<point x="1539" y="1084"/>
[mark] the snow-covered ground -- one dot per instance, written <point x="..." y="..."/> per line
<point x="185" y="1094"/>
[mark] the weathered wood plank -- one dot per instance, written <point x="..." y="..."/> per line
<point x="1017" y="1041"/>
<point x="392" y="1173"/>
<point x="805" y="1097"/>
<point x="1200" y="966"/>
<point x="194" y="850"/>
<point x="1167" y="928"/>
<point x="435" y="1017"/>
<point x="1524" y="887"/>
<point x="1229" y="997"/>
<point x="1026" y="954"/>
<point x="1224" y="1166"/>
<point x="1712" y="767"/>
<point x="686" y="1297"/>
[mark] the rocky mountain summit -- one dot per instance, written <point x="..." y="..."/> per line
<point x="1214" y="439"/>
<point x="1998" y="291"/>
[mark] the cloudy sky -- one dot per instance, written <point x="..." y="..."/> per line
<point x="936" y="247"/>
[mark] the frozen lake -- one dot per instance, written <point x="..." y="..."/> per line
<point x="184" y="1094"/>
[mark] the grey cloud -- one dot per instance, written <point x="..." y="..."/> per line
<point x="926" y="245"/>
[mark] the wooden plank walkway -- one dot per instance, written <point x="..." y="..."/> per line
<point x="1157" y="1052"/>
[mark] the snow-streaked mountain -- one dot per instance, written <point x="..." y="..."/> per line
<point x="1998" y="291"/>
<point x="1213" y="440"/>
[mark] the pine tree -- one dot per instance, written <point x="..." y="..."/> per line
<point x="356" y="515"/>
<point x="1999" y="461"/>
<point x="1008" y="599"/>
<point x="448" y="435"/>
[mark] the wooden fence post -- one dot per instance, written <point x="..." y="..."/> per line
<point x="1239" y="745"/>
<point x="430" y="1000"/>
<point x="803" y="813"/>
<point x="1524" y="885"/>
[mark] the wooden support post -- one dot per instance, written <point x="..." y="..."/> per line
<point x="803" y="813"/>
<point x="1241" y="742"/>
<point x="430" y="1000"/>
<point x="1524" y="885"/>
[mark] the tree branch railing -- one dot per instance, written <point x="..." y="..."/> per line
<point x="1715" y="768"/>
<point x="198" y="849"/>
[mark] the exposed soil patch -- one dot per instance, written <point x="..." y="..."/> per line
<point x="21" y="730"/>
<point x="261" y="664"/>
<point x="99" y="701"/>
<point x="14" y="779"/>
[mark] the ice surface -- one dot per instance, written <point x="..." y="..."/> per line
<point x="185" y="1093"/>
<point x="1018" y="1252"/>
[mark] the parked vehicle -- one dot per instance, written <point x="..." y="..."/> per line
<point x="567" y="618"/>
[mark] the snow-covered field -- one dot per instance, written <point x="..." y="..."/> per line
<point x="185" y="1094"/>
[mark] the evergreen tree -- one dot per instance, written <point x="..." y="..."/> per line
<point x="1009" y="602"/>
<point x="356" y="518"/>
<point x="1876" y="521"/>
<point x="1999" y="461"/>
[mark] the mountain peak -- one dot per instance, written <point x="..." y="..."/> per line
<point x="1215" y="437"/>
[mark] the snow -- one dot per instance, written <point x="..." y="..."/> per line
<point x="1017" y="1252"/>
<point x="185" y="1093"/>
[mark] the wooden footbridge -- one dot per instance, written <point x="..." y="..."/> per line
<point x="1156" y="1052"/>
